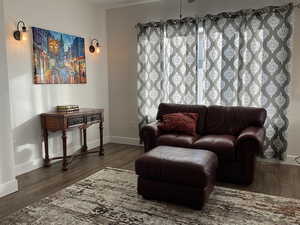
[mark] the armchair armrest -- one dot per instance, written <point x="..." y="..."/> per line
<point x="150" y="132"/>
<point x="248" y="144"/>
<point x="253" y="134"/>
<point x="151" y="128"/>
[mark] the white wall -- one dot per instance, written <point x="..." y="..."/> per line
<point x="29" y="100"/>
<point x="8" y="182"/>
<point x="122" y="58"/>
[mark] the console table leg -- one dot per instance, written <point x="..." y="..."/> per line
<point x="64" y="139"/>
<point x="46" y="160"/>
<point x="101" y="152"/>
<point x="84" y="141"/>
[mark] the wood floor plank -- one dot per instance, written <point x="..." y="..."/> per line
<point x="271" y="178"/>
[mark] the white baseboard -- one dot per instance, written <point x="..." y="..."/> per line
<point x="125" y="140"/>
<point x="106" y="139"/>
<point x="28" y="166"/>
<point x="38" y="163"/>
<point x="290" y="160"/>
<point x="8" y="187"/>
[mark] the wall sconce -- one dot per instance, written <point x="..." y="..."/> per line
<point x="21" y="34"/>
<point x="94" y="46"/>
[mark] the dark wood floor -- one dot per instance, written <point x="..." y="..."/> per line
<point x="275" y="179"/>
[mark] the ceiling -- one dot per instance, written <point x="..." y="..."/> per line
<point x="120" y="3"/>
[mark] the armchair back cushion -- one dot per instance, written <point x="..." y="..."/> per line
<point x="223" y="120"/>
<point x="165" y="108"/>
<point x="233" y="120"/>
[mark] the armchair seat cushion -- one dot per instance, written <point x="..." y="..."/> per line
<point x="222" y="145"/>
<point x="179" y="140"/>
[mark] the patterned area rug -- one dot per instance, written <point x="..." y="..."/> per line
<point x="109" y="197"/>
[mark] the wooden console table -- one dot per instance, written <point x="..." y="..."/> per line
<point x="58" y="121"/>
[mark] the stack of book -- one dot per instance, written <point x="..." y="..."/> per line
<point x="67" y="108"/>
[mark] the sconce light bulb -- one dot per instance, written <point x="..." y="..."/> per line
<point x="24" y="36"/>
<point x="98" y="50"/>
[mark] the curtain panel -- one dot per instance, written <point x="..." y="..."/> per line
<point x="149" y="82"/>
<point x="230" y="59"/>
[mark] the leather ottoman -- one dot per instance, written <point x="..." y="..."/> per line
<point x="179" y="175"/>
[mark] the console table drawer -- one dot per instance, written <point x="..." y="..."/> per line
<point x="72" y="121"/>
<point x="92" y="118"/>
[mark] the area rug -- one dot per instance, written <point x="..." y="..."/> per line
<point x="109" y="197"/>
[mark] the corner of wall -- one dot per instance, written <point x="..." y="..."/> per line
<point x="8" y="183"/>
<point x="8" y="187"/>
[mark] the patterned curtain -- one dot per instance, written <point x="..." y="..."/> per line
<point x="247" y="63"/>
<point x="167" y="62"/>
<point x="180" y="62"/>
<point x="240" y="58"/>
<point x="149" y="79"/>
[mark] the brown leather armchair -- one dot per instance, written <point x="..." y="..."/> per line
<point x="235" y="134"/>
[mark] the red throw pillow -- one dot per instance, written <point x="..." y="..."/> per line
<point x="185" y="123"/>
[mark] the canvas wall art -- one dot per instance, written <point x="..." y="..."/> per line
<point x="58" y="58"/>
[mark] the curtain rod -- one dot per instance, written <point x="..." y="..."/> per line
<point x="295" y="5"/>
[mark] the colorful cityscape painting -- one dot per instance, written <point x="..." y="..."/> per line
<point x="58" y="58"/>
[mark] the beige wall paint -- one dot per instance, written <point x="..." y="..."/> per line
<point x="122" y="58"/>
<point x="27" y="100"/>
<point x="294" y="109"/>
